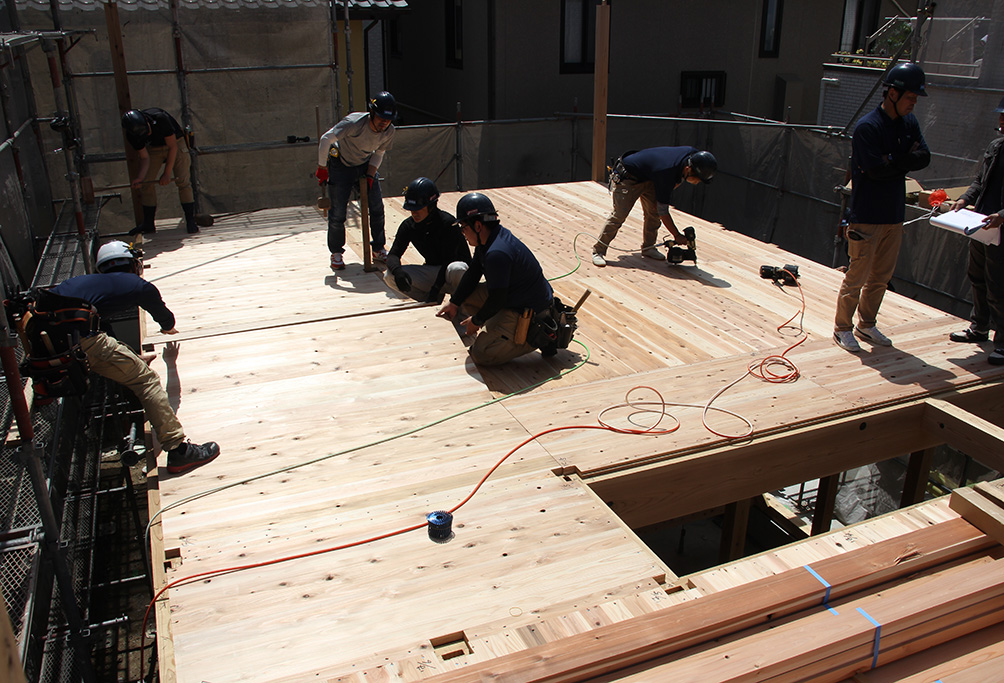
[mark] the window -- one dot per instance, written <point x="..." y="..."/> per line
<point x="578" y="36"/>
<point x="454" y="33"/>
<point x="770" y="28"/>
<point x="702" y="89"/>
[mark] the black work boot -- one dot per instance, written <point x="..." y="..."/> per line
<point x="188" y="456"/>
<point x="190" y="225"/>
<point x="146" y="227"/>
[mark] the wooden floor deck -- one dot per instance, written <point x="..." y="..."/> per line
<point x="284" y="363"/>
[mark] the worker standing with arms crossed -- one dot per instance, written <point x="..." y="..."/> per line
<point x="352" y="149"/>
<point x="887" y="144"/>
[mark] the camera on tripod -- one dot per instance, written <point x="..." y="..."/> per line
<point x="784" y="276"/>
<point x="677" y="255"/>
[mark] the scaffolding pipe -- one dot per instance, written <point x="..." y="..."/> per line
<point x="348" y="56"/>
<point x="64" y="581"/>
<point x="186" y="105"/>
<point x="336" y="93"/>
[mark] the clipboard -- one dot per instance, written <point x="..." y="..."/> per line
<point x="967" y="223"/>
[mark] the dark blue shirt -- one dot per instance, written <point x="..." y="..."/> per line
<point x="509" y="269"/>
<point x="162" y="125"/>
<point x="881" y="155"/>
<point x="113" y="293"/>
<point x="662" y="165"/>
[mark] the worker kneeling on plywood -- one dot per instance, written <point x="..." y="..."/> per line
<point x="438" y="239"/>
<point x="519" y="313"/>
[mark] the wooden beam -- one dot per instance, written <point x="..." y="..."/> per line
<point x="915" y="483"/>
<point x="659" y="491"/>
<point x="826" y="501"/>
<point x="978" y="438"/>
<point x="601" y="75"/>
<point x="657" y="634"/>
<point x="117" y="48"/>
<point x="734" y="527"/>
<point x="980" y="511"/>
<point x="10" y="661"/>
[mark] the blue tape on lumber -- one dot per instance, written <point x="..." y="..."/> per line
<point x="826" y="598"/>
<point x="878" y="636"/>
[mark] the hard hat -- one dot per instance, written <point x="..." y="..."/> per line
<point x="1000" y="107"/>
<point x="907" y="76"/>
<point x="703" y="165"/>
<point x="420" y="193"/>
<point x="474" y="205"/>
<point x="114" y="254"/>
<point x="135" y="124"/>
<point x="383" y="105"/>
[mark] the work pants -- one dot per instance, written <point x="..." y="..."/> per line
<point x="112" y="359"/>
<point x="495" y="344"/>
<point x="625" y="194"/>
<point x="341" y="180"/>
<point x="182" y="172"/>
<point x="424" y="277"/>
<point x="873" y="262"/>
<point x="986" y="276"/>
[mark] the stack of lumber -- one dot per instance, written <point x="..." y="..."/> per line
<point x="854" y="607"/>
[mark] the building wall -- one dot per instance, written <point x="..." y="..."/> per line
<point x="512" y="58"/>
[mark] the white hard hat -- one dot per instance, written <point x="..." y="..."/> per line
<point x="112" y="255"/>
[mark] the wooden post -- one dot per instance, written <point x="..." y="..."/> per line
<point x="734" y="525"/>
<point x="826" y="500"/>
<point x="600" y="82"/>
<point x="915" y="483"/>
<point x="10" y="662"/>
<point x="364" y="215"/>
<point x="117" y="50"/>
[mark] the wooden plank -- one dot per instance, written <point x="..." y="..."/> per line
<point x="10" y="661"/>
<point x="826" y="501"/>
<point x="974" y="436"/>
<point x="979" y="511"/>
<point x="654" y="635"/>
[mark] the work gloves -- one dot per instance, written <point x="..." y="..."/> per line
<point x="321" y="174"/>
<point x="369" y="182"/>
<point x="402" y="279"/>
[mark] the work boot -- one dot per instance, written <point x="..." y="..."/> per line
<point x="653" y="253"/>
<point x="845" y="340"/>
<point x="599" y="260"/>
<point x="873" y="335"/>
<point x="337" y="262"/>
<point x="970" y="335"/>
<point x="188" y="456"/>
<point x="996" y="356"/>
<point x="146" y="227"/>
<point x="190" y="225"/>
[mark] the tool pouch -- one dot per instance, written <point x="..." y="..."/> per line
<point x="553" y="328"/>
<point x="65" y="374"/>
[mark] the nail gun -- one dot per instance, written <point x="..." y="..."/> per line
<point x="677" y="255"/>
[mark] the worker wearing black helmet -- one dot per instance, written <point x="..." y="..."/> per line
<point x="436" y="237"/>
<point x="161" y="144"/>
<point x="986" y="261"/>
<point x="353" y="149"/>
<point x="514" y="286"/>
<point x="887" y="144"/>
<point x="651" y="175"/>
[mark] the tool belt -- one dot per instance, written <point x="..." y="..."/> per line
<point x="552" y="328"/>
<point x="619" y="173"/>
<point x="51" y="327"/>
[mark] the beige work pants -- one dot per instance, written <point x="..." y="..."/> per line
<point x="494" y="345"/>
<point x="182" y="173"/>
<point x="112" y="359"/>
<point x="873" y="261"/>
<point x="625" y="194"/>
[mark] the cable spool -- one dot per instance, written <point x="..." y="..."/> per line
<point x="439" y="526"/>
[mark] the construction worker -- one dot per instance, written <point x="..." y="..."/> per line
<point x="161" y="143"/>
<point x="438" y="239"/>
<point x="352" y="149"/>
<point x="887" y="144"/>
<point x="514" y="286"/>
<point x="117" y="286"/>
<point x="651" y="175"/>
<point x="986" y="261"/>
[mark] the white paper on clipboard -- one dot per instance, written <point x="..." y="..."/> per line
<point x="963" y="219"/>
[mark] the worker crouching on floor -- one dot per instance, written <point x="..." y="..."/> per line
<point x="518" y="309"/>
<point x="438" y="239"/>
<point x="116" y="287"/>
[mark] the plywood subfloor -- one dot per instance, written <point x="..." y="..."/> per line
<point x="283" y="363"/>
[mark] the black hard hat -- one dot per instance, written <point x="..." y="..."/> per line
<point x="383" y="105"/>
<point x="135" y="124"/>
<point x="420" y="193"/>
<point x="1000" y="107"/>
<point x="475" y="205"/>
<point x="704" y="165"/>
<point x="907" y="76"/>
